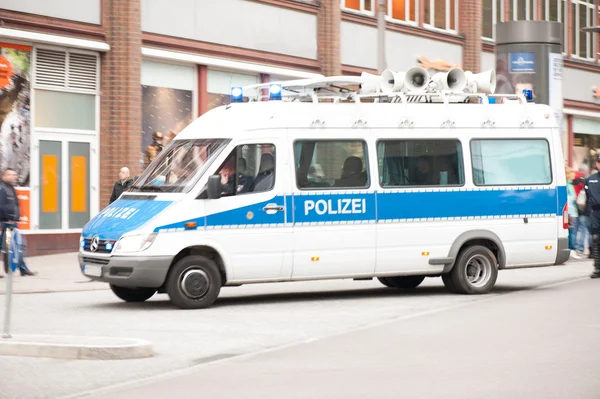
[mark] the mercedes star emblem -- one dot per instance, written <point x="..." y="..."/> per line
<point x="95" y="244"/>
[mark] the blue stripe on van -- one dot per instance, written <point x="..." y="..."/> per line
<point x="455" y="204"/>
<point x="386" y="206"/>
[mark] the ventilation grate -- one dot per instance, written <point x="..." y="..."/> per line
<point x="50" y="68"/>
<point x="66" y="70"/>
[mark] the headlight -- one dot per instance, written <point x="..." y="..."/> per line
<point x="137" y="243"/>
<point x="81" y="242"/>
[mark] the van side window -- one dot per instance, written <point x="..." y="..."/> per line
<point x="250" y="168"/>
<point x="511" y="162"/>
<point x="331" y="164"/>
<point x="420" y="163"/>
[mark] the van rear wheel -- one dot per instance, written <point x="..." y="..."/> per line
<point x="141" y="294"/>
<point x="194" y="282"/>
<point x="405" y="282"/>
<point x="475" y="271"/>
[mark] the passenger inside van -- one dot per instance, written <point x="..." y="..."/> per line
<point x="266" y="173"/>
<point x="424" y="175"/>
<point x="352" y="174"/>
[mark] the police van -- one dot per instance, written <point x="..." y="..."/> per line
<point x="397" y="177"/>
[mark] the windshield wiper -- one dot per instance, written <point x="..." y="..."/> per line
<point x="148" y="188"/>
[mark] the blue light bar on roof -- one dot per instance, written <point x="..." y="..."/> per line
<point x="528" y="93"/>
<point x="237" y="95"/>
<point x="275" y="92"/>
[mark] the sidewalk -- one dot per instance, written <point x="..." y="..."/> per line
<point x="56" y="273"/>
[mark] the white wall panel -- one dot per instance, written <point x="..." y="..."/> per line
<point x="237" y="23"/>
<point x="76" y="10"/>
<point x="403" y="51"/>
<point x="173" y="76"/>
<point x="578" y="84"/>
<point x="358" y="45"/>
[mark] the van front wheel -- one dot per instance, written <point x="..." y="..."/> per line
<point x="133" y="294"/>
<point x="194" y="282"/>
<point x="475" y="271"/>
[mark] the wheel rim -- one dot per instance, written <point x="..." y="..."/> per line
<point x="478" y="270"/>
<point x="195" y="283"/>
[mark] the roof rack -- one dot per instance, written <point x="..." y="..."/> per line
<point x="415" y="85"/>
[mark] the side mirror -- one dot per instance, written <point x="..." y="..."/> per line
<point x="213" y="187"/>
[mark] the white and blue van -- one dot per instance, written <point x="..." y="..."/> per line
<point x="362" y="185"/>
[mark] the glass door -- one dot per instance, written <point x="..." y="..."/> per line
<point x="67" y="189"/>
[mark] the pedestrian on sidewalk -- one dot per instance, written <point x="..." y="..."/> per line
<point x="572" y="211"/>
<point x="582" y="229"/>
<point x="592" y="192"/>
<point x="10" y="214"/>
<point x="123" y="184"/>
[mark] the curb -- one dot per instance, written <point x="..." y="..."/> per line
<point x="69" y="347"/>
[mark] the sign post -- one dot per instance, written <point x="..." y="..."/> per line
<point x="13" y="249"/>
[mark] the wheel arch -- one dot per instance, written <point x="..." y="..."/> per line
<point x="485" y="238"/>
<point x="204" y="250"/>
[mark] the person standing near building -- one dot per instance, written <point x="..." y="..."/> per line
<point x="582" y="231"/>
<point x="123" y="184"/>
<point x="592" y="192"/>
<point x="10" y="213"/>
<point x="153" y="149"/>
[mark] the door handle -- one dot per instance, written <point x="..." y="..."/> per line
<point x="273" y="208"/>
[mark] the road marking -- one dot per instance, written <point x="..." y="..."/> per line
<point x="192" y="369"/>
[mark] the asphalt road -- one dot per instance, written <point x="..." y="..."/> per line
<point x="328" y="339"/>
<point x="535" y="344"/>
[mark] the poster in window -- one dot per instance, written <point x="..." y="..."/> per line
<point x="165" y="113"/>
<point x="15" y="90"/>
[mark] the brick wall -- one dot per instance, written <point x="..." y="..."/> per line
<point x="470" y="20"/>
<point x="328" y="26"/>
<point x="121" y="101"/>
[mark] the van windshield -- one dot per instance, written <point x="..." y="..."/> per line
<point x="179" y="166"/>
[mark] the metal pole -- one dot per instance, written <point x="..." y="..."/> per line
<point x="8" y="301"/>
<point x="8" y="296"/>
<point x="381" y="36"/>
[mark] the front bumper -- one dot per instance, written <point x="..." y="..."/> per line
<point x="127" y="271"/>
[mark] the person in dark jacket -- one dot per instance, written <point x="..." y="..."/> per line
<point x="123" y="184"/>
<point x="10" y="212"/>
<point x="592" y="191"/>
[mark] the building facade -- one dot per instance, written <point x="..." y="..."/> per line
<point x="85" y="84"/>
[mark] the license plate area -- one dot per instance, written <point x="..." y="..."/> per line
<point x="92" y="270"/>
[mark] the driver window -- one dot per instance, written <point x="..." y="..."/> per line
<point x="250" y="168"/>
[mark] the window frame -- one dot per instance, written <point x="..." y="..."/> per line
<point x="431" y="23"/>
<point x="366" y="164"/>
<point x="407" y="21"/>
<point x="550" y="161"/>
<point x="590" y="36"/>
<point x="497" y="16"/>
<point x="412" y="187"/>
<point x="235" y="163"/>
<point x="361" y="9"/>
<point x="561" y="6"/>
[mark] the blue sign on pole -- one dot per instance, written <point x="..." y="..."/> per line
<point x="15" y="250"/>
<point x="521" y="63"/>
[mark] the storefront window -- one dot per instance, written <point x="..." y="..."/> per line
<point x="165" y="112"/>
<point x="220" y="84"/>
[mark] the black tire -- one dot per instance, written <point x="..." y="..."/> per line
<point x="403" y="282"/>
<point x="141" y="294"/>
<point x="194" y="282"/>
<point x="385" y="281"/>
<point x="449" y="283"/>
<point x="475" y="271"/>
